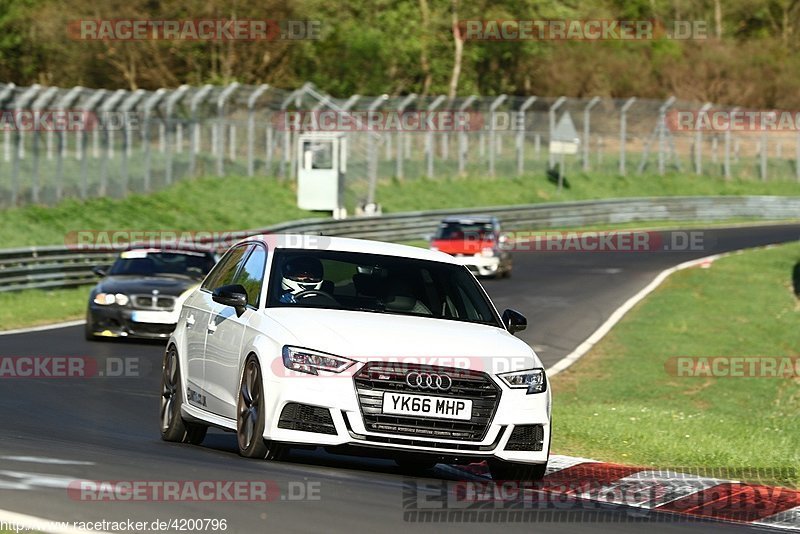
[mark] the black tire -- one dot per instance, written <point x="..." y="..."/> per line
<point x="250" y="416"/>
<point x="502" y="470"/>
<point x="88" y="329"/>
<point x="173" y="426"/>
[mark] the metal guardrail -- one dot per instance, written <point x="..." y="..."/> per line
<point x="62" y="266"/>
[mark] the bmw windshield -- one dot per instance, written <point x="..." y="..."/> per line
<point x="379" y="284"/>
<point x="145" y="263"/>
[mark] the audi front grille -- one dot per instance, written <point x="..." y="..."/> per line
<point x="375" y="378"/>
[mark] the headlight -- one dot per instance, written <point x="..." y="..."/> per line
<point x="533" y="380"/>
<point x="311" y="361"/>
<point x="108" y="299"/>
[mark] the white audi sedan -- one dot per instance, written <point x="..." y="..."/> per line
<point x="355" y="346"/>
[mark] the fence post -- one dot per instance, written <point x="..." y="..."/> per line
<point x="194" y="131"/>
<point x="221" y="100"/>
<point x="172" y="101"/>
<point x="91" y="104"/>
<point x="463" y="140"/>
<point x="149" y="104"/>
<point x="726" y="165"/>
<point x="492" y="133"/>
<point x="797" y="156"/>
<point x="349" y="104"/>
<point x="552" y="117"/>
<point x="251" y="127"/>
<point x="64" y="103"/>
<point x="23" y="101"/>
<point x="623" y="134"/>
<point x="108" y="136"/>
<point x="698" y="142"/>
<point x="399" y="141"/>
<point x="41" y="102"/>
<point x="521" y="126"/>
<point x="6" y="95"/>
<point x="295" y="95"/>
<point x="662" y="130"/>
<point x="128" y="105"/>
<point x="587" y="114"/>
<point x="429" y="147"/>
<point x="372" y="154"/>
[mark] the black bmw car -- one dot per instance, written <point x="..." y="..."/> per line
<point x="141" y="293"/>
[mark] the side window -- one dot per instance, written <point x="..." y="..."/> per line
<point x="225" y="270"/>
<point x="252" y="274"/>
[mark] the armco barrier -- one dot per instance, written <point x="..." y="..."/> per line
<point x="60" y="266"/>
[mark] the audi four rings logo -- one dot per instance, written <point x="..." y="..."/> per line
<point x="429" y="381"/>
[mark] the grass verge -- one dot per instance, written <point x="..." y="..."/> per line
<point x="39" y="306"/>
<point x="621" y="404"/>
<point x="237" y="203"/>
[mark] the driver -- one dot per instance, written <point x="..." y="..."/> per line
<point x="302" y="273"/>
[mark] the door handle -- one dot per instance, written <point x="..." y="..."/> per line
<point x="190" y="321"/>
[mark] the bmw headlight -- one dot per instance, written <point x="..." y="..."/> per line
<point x="109" y="299"/>
<point x="533" y="380"/>
<point x="311" y="361"/>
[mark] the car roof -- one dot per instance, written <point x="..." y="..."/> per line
<point x="470" y="219"/>
<point x="173" y="250"/>
<point x="347" y="244"/>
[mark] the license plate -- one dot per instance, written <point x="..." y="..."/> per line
<point x="156" y="317"/>
<point x="427" y="406"/>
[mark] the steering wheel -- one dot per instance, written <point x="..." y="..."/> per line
<point x="311" y="293"/>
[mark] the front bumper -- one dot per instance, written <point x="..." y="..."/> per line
<point x="116" y="321"/>
<point x="480" y="265"/>
<point x="336" y="397"/>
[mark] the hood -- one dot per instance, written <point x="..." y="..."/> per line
<point x="145" y="285"/>
<point x="366" y="335"/>
<point x="462" y="246"/>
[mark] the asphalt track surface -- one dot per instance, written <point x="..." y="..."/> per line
<point x="55" y="431"/>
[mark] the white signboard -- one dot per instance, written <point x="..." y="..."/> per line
<point x="565" y="137"/>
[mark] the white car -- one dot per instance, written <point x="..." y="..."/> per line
<point x="355" y="346"/>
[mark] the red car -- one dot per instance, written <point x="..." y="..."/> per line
<point x="475" y="242"/>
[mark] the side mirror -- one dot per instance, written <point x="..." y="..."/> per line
<point x="514" y="321"/>
<point x="100" y="270"/>
<point x="234" y="295"/>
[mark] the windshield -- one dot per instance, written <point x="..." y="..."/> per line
<point x="160" y="263"/>
<point x="379" y="284"/>
<point x="464" y="230"/>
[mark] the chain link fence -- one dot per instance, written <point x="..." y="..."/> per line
<point x="62" y="143"/>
